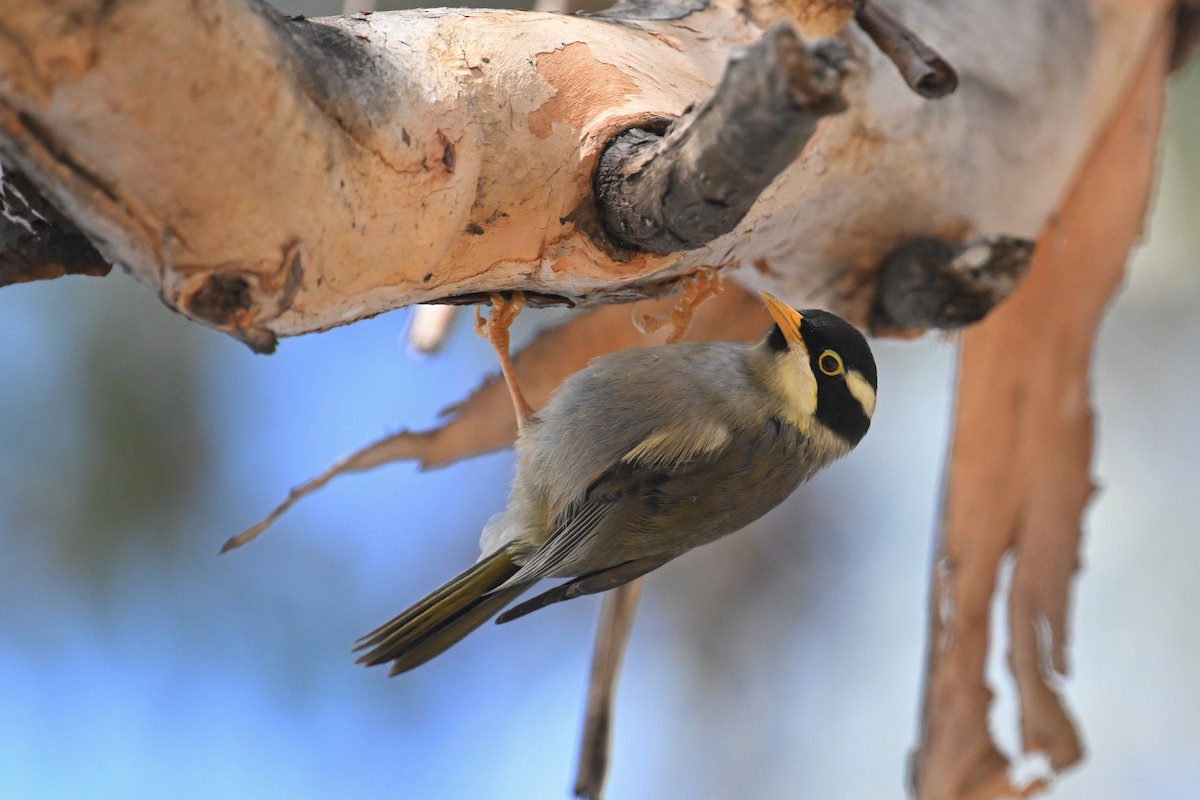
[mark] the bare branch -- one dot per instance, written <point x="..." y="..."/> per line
<point x="36" y="241"/>
<point x="381" y="160"/>
<point x="616" y="621"/>
<point x="664" y="189"/>
<point x="929" y="283"/>
<point x="925" y="72"/>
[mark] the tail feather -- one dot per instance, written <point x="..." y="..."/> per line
<point x="443" y="617"/>
<point x="454" y="630"/>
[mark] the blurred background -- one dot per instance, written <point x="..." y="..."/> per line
<point x="782" y="662"/>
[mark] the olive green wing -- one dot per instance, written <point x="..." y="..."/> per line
<point x="635" y="484"/>
<point x="593" y="582"/>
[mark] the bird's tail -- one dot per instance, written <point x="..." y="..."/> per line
<point x="443" y="617"/>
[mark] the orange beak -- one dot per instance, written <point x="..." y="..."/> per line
<point x="787" y="318"/>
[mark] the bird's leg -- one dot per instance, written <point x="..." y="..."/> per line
<point x="698" y="287"/>
<point x="495" y="330"/>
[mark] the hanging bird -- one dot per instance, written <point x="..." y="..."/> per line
<point x="645" y="454"/>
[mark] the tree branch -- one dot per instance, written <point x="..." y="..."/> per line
<point x="664" y="190"/>
<point x="273" y="177"/>
<point x="925" y="72"/>
<point x="381" y="160"/>
<point x="37" y="242"/>
<point x="929" y="283"/>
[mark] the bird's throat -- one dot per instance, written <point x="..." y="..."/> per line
<point x="789" y="379"/>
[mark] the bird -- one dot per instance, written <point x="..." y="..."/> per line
<point x="643" y="455"/>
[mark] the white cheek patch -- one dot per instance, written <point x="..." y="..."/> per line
<point x="862" y="392"/>
<point x="799" y="386"/>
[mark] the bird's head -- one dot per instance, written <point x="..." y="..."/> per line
<point x="823" y="367"/>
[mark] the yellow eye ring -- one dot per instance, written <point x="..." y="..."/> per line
<point x="830" y="363"/>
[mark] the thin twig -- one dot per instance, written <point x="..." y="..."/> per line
<point x="616" y="621"/>
<point x="926" y="72"/>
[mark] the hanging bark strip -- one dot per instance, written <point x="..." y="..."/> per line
<point x="1018" y="475"/>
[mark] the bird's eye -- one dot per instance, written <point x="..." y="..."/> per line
<point x="830" y="363"/>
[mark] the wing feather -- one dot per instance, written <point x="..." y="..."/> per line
<point x="638" y="476"/>
<point x="591" y="583"/>
<point x="679" y="444"/>
<point x="565" y="539"/>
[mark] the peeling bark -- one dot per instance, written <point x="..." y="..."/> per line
<point x="376" y="161"/>
<point x="1018" y="479"/>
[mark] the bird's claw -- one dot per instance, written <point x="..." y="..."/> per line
<point x="698" y="287"/>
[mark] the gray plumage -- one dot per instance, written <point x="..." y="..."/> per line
<point x="643" y="455"/>
<point x="580" y="504"/>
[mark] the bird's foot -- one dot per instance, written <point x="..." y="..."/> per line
<point x="495" y="330"/>
<point x="702" y="285"/>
